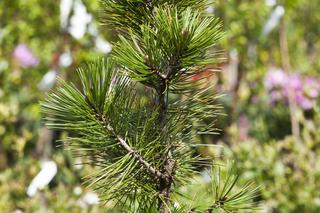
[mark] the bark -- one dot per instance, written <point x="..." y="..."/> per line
<point x="165" y="183"/>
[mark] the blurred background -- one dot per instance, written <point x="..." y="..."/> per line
<point x="270" y="82"/>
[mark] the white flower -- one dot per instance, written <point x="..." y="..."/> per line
<point x="48" y="171"/>
<point x="48" y="80"/>
<point x="77" y="190"/>
<point x="274" y="20"/>
<point x="102" y="45"/>
<point x="79" y="20"/>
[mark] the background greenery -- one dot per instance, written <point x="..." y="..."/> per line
<point x="256" y="133"/>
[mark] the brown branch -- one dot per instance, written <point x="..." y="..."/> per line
<point x="155" y="172"/>
<point x="169" y="163"/>
<point x="285" y="57"/>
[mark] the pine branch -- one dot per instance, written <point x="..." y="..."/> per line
<point x="222" y="193"/>
<point x="164" y="52"/>
<point x="129" y="15"/>
<point x="155" y="172"/>
<point x="119" y="136"/>
<point x="173" y="45"/>
<point x="141" y="144"/>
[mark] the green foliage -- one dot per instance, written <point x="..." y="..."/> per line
<point x="226" y="197"/>
<point x="172" y="45"/>
<point x="34" y="23"/>
<point x="64" y="194"/>
<point x="140" y="143"/>
<point x="219" y="190"/>
<point x="154" y="32"/>
<point x="288" y="176"/>
<point x="106" y="114"/>
<point x="131" y="14"/>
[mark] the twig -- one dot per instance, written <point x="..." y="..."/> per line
<point x="155" y="172"/>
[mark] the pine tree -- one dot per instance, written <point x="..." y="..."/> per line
<point x="140" y="110"/>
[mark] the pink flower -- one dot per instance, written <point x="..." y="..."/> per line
<point x="296" y="82"/>
<point x="276" y="95"/>
<point x="305" y="89"/>
<point x="312" y="87"/>
<point x="275" y="78"/>
<point x="23" y="55"/>
<point x="304" y="102"/>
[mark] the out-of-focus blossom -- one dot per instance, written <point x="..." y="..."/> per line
<point x="88" y="199"/>
<point x="48" y="80"/>
<point x="274" y="20"/>
<point x="312" y="87"/>
<point x="276" y="95"/>
<point x="65" y="59"/>
<point x="74" y="17"/>
<point x="24" y="56"/>
<point x="275" y="78"/>
<point x="296" y="82"/>
<point x="305" y="89"/>
<point x="304" y="102"/>
<point x="102" y="45"/>
<point x="77" y="190"/>
<point x="309" y="93"/>
<point x="210" y="9"/>
<point x="65" y="10"/>
<point x="80" y="20"/>
<point x="48" y="171"/>
<point x="91" y="198"/>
